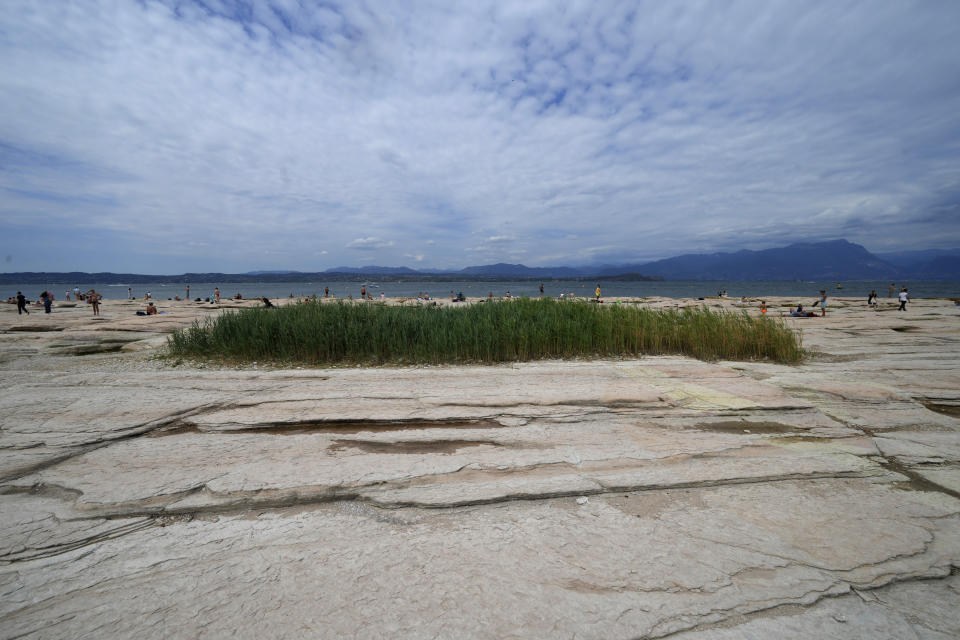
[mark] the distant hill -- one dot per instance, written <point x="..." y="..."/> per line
<point x="835" y="260"/>
<point x="913" y="258"/>
<point x="942" y="268"/>
<point x="503" y="270"/>
<point x="933" y="264"/>
<point x="374" y="270"/>
<point x="263" y="273"/>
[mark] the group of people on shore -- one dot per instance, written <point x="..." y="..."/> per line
<point x="94" y="298"/>
<point x="872" y="302"/>
<point x="903" y="297"/>
<point x="46" y="299"/>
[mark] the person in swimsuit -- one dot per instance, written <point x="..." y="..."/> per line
<point x="94" y="299"/>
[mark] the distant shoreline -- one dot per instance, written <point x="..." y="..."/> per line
<point x="438" y="289"/>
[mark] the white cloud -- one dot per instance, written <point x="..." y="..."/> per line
<point x="369" y="243"/>
<point x="648" y="128"/>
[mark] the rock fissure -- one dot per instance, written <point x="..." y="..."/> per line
<point x="47" y="551"/>
<point x="75" y="451"/>
<point x="377" y="495"/>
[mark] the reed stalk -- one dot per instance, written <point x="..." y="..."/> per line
<point x="318" y="333"/>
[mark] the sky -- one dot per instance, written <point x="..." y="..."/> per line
<point x="189" y="136"/>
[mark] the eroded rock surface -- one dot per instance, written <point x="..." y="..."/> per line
<point x="635" y="498"/>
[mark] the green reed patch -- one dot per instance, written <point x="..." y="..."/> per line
<point x="496" y="331"/>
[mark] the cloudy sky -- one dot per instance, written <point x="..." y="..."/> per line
<point x="170" y="136"/>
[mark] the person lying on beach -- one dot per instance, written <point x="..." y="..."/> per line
<point x="800" y="313"/>
<point x="151" y="310"/>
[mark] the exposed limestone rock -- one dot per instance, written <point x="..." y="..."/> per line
<point x="590" y="499"/>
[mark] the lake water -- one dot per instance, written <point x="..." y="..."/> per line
<point x="441" y="289"/>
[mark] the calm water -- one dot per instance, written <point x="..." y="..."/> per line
<point x="672" y="289"/>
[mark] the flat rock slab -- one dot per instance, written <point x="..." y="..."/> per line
<point x="595" y="499"/>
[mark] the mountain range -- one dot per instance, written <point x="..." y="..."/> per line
<point x="833" y="260"/>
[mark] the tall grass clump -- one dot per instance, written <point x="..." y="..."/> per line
<point x="507" y="331"/>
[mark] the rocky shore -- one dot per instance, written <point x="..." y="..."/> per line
<point x="634" y="498"/>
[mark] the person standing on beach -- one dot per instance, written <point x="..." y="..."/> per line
<point x="823" y="303"/>
<point x="363" y="292"/>
<point x="216" y="294"/>
<point x="890" y="292"/>
<point x="94" y="299"/>
<point x="903" y="299"/>
<point x="541" y="289"/>
<point x="47" y="299"/>
<point x="188" y="293"/>
<point x="326" y="292"/>
<point x="129" y="293"/>
<point x="598" y="292"/>
<point x="21" y="304"/>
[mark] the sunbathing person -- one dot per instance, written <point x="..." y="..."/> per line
<point x="800" y="313"/>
